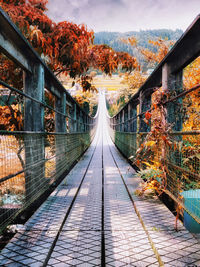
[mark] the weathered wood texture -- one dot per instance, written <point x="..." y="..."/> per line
<point x="17" y="48"/>
<point x="169" y="72"/>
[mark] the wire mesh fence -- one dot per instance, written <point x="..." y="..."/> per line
<point x="30" y="163"/>
<point x="171" y="148"/>
<point x="43" y="130"/>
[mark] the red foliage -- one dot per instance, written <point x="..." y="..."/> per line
<point x="107" y="60"/>
<point x="66" y="47"/>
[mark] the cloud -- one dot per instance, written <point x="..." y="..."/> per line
<point x="125" y="15"/>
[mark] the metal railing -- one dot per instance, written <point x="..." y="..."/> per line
<point x="43" y="130"/>
<point x="175" y="150"/>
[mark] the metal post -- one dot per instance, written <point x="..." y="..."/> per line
<point x="145" y="104"/>
<point x="73" y="122"/>
<point x="129" y="117"/>
<point x="34" y="122"/>
<point x="60" y="140"/>
<point x="78" y="120"/>
<point x="81" y="119"/>
<point x="173" y="82"/>
<point x="118" y="122"/>
<point x="86" y="123"/>
<point x="122" y="121"/>
<point x="125" y="111"/>
<point x="134" y="115"/>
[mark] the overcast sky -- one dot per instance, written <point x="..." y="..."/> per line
<point x="126" y="15"/>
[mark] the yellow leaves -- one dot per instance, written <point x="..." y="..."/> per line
<point x="162" y="45"/>
<point x="146" y="121"/>
<point x="192" y="74"/>
<point x="192" y="78"/>
<point x="11" y="118"/>
<point x="147" y="164"/>
<point x="133" y="81"/>
<point x="131" y="41"/>
<point x="150" y="143"/>
<point x="86" y="97"/>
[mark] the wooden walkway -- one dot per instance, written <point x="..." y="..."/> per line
<point x="94" y="219"/>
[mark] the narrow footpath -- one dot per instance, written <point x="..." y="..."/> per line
<point x="102" y="228"/>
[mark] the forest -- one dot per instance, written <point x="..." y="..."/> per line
<point x="113" y="39"/>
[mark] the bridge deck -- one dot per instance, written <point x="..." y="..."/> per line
<point x="94" y="219"/>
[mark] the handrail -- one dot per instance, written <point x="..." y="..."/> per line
<point x="37" y="157"/>
<point x="184" y="51"/>
<point x="158" y="132"/>
<point x="14" y="36"/>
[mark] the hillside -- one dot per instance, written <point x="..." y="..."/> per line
<point x="113" y="39"/>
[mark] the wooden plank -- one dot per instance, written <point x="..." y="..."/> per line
<point x="186" y="49"/>
<point x="14" y="53"/>
<point x="34" y="121"/>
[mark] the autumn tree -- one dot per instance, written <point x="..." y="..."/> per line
<point x="161" y="48"/>
<point x="135" y="78"/>
<point x="191" y="103"/>
<point x="134" y="81"/>
<point x="65" y="47"/>
<point x="103" y="57"/>
<point x="159" y="144"/>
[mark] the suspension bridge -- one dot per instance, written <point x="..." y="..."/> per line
<point x="91" y="216"/>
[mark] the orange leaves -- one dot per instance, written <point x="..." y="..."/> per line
<point x="107" y="60"/>
<point x="153" y="152"/>
<point x="11" y="118"/>
<point x="65" y="46"/>
<point x="155" y="106"/>
<point x="192" y="103"/>
<point x="167" y="141"/>
<point x="131" y="40"/>
<point x="39" y="4"/>
<point x="148" y="115"/>
<point x="104" y="58"/>
<point x="71" y="48"/>
<point x="162" y="47"/>
<point x="128" y="63"/>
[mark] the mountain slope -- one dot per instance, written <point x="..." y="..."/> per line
<point x="113" y="38"/>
